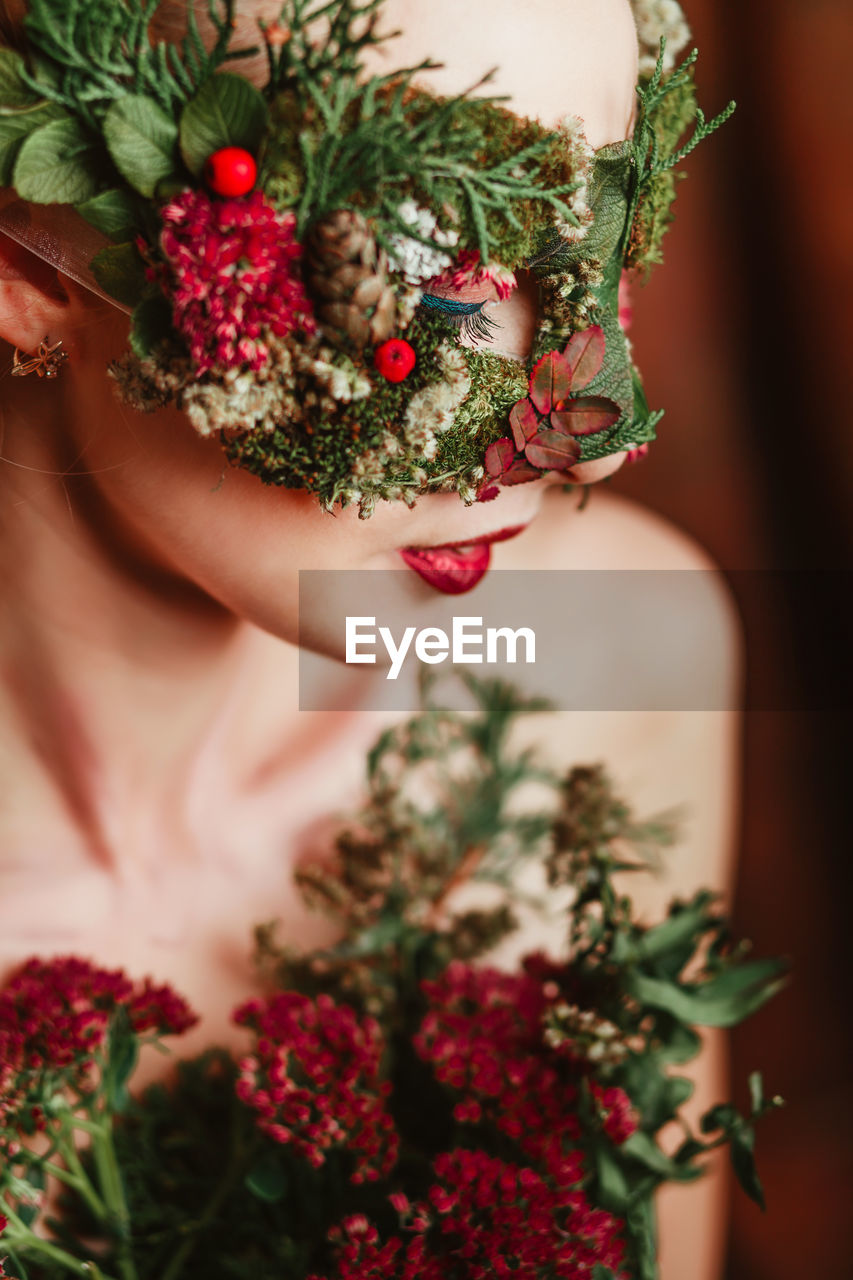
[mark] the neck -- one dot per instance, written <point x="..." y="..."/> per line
<point x="126" y="690"/>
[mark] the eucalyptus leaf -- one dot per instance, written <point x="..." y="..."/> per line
<point x="15" y="93"/>
<point x="120" y="272"/>
<point x="227" y="111"/>
<point x="58" y="164"/>
<point x="113" y="212"/>
<point x="142" y="141"/>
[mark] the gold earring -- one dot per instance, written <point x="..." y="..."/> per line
<point x="46" y="363"/>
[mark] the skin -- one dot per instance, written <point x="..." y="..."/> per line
<point x="151" y="753"/>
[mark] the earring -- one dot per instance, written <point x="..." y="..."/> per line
<point x="46" y="363"/>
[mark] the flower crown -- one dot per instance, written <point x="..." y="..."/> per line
<point x="290" y="254"/>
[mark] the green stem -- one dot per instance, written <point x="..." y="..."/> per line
<point x="109" y="1177"/>
<point x="21" y="1236"/>
<point x="77" y="1179"/>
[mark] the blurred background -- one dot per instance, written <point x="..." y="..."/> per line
<point x="755" y="460"/>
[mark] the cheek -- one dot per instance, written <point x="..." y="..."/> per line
<point x="592" y="472"/>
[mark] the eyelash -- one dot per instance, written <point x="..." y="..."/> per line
<point x="467" y="317"/>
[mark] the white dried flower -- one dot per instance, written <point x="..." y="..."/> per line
<point x="656" y="18"/>
<point x="412" y="259"/>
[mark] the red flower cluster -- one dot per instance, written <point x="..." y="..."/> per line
<point x="485" y="1218"/>
<point x="54" y="1016"/>
<point x="231" y="272"/>
<point x="483" y="1038"/>
<point x="3" y="1225"/>
<point x="314" y="1080"/>
<point x="619" y="1120"/>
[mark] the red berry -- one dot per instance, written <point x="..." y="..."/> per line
<point x="395" y="359"/>
<point x="231" y="171"/>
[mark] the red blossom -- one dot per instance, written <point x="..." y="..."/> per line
<point x="484" y="1218"/>
<point x="231" y="272"/>
<point x="483" y="1036"/>
<point x="313" y="1078"/>
<point x="619" y="1119"/>
<point x="549" y="422"/>
<point x="54" y="1019"/>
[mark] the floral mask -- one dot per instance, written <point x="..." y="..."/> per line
<point x="292" y="255"/>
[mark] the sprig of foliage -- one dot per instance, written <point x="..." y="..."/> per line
<point x="667" y="108"/>
<point x="323" y="39"/>
<point x="86" y="55"/>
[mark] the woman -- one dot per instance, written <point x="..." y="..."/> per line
<point x="157" y="777"/>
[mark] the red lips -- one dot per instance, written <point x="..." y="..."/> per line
<point x="456" y="568"/>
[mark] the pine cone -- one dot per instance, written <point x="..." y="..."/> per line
<point x="347" y="275"/>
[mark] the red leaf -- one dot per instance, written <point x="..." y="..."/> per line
<point x="499" y="456"/>
<point x="488" y="494"/>
<point x="553" y="451"/>
<point x="585" y="353"/>
<point x="519" y="473"/>
<point x="586" y="416"/>
<point x="524" y="422"/>
<point x="550" y="382"/>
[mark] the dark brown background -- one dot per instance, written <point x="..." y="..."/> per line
<point x="746" y="336"/>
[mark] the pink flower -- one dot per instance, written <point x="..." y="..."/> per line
<point x="313" y="1078"/>
<point x="547" y="424"/>
<point x="468" y="272"/>
<point x="231" y="271"/>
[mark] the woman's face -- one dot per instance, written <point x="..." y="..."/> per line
<point x="169" y="498"/>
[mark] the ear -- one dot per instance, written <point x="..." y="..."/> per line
<point x="33" y="303"/>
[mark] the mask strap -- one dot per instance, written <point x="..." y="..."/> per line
<point x="58" y="235"/>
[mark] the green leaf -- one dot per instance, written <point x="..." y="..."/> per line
<point x="613" y="1188"/>
<point x="722" y="1002"/>
<point x="642" y="1147"/>
<point x="150" y="325"/>
<point x="14" y="128"/>
<point x="141" y="139"/>
<point x="227" y="111"/>
<point x="743" y="1163"/>
<point x="267" y="1180"/>
<point x="113" y="212"/>
<point x="15" y="93"/>
<point x="120" y="272"/>
<point x="58" y="164"/>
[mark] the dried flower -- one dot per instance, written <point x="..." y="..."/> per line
<point x="231" y="272"/>
<point x="656" y="18"/>
<point x="468" y="270"/>
<point x="410" y="257"/>
<point x="313" y="1079"/>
